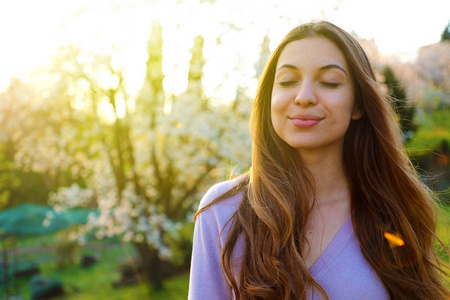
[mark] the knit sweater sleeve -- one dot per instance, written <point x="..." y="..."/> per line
<point x="206" y="278"/>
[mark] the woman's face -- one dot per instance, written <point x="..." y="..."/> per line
<point x="313" y="95"/>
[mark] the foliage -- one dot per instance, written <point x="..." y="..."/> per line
<point x="20" y="111"/>
<point x="400" y="104"/>
<point x="443" y="233"/>
<point x="434" y="129"/>
<point x="96" y="282"/>
<point x="430" y="150"/>
<point x="181" y="245"/>
<point x="445" y="36"/>
<point x="143" y="161"/>
<point x="42" y="288"/>
<point x="66" y="253"/>
<point x="9" y="181"/>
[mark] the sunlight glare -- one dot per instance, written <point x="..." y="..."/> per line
<point x="233" y="31"/>
<point x="121" y="107"/>
<point x="106" y="112"/>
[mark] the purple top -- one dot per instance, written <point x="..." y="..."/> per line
<point x="341" y="269"/>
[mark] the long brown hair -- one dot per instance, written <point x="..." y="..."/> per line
<point x="386" y="196"/>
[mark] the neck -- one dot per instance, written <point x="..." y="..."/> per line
<point x="330" y="181"/>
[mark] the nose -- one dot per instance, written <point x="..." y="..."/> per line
<point x="306" y="95"/>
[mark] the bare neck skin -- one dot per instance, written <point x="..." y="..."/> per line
<point x="330" y="180"/>
<point x="331" y="207"/>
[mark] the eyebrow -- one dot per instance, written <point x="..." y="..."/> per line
<point x="326" y="67"/>
<point x="331" y="66"/>
<point x="287" y="66"/>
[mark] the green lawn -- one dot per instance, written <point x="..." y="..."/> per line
<point x="444" y="222"/>
<point x="443" y="231"/>
<point x="95" y="282"/>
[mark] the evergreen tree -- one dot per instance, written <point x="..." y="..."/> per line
<point x="445" y="36"/>
<point x="400" y="104"/>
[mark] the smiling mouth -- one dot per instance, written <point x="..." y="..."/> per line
<point x="305" y="121"/>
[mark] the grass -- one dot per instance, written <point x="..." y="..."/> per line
<point x="443" y="232"/>
<point x="95" y="282"/>
<point x="443" y="223"/>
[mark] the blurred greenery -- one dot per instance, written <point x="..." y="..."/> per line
<point x="442" y="232"/>
<point x="404" y="111"/>
<point x="445" y="36"/>
<point x="144" y="159"/>
<point x="433" y="130"/>
<point x="181" y="244"/>
<point x="9" y="180"/>
<point x="95" y="282"/>
<point x="443" y="223"/>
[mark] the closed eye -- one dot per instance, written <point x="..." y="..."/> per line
<point x="287" y="83"/>
<point x="330" y="84"/>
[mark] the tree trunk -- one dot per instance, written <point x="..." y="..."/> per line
<point x="151" y="264"/>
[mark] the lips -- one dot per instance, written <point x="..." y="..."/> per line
<point x="305" y="120"/>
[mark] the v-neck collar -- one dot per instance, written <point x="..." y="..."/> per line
<point x="333" y="248"/>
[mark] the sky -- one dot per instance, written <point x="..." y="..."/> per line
<point x="32" y="31"/>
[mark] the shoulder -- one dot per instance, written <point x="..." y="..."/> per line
<point x="218" y="214"/>
<point x="219" y="189"/>
<point x="211" y="229"/>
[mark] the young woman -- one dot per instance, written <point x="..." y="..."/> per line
<point x="332" y="207"/>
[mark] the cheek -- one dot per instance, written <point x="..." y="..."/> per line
<point x="274" y="117"/>
<point x="347" y="104"/>
<point x="274" y="106"/>
<point x="279" y="102"/>
<point x="277" y="110"/>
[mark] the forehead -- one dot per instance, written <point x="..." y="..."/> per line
<point x="311" y="52"/>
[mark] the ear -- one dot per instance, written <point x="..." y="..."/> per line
<point x="357" y="113"/>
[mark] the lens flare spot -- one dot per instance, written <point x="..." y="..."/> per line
<point x="394" y="239"/>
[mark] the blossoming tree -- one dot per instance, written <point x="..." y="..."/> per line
<point x="143" y="162"/>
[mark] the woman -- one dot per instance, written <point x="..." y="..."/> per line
<point x="332" y="207"/>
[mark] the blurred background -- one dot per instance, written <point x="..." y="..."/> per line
<point x="116" y="117"/>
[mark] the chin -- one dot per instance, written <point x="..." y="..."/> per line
<point x="305" y="146"/>
<point x="308" y="145"/>
<point x="303" y="141"/>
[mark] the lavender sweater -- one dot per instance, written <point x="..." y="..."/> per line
<point x="341" y="269"/>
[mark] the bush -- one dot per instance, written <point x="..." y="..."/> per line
<point x="66" y="253"/>
<point x="181" y="245"/>
<point x="42" y="288"/>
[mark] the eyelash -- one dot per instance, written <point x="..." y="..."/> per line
<point x="286" y="83"/>
<point x="327" y="84"/>
<point x="330" y="84"/>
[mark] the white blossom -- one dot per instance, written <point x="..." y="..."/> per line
<point x="61" y="124"/>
